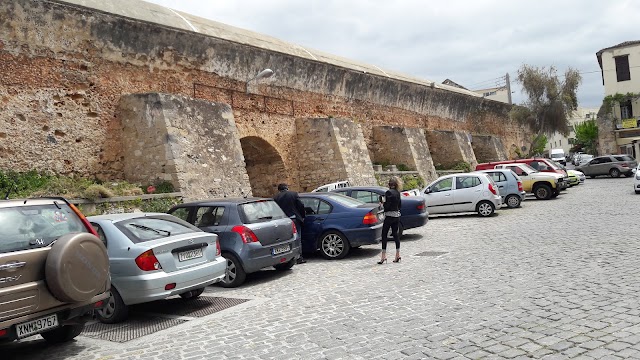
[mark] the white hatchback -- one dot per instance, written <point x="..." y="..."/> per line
<point x="636" y="182"/>
<point x="463" y="192"/>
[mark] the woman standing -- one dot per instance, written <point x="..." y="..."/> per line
<point x="392" y="214"/>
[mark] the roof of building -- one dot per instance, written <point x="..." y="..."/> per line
<point x="153" y="13"/>
<point x="453" y="83"/>
<point x="621" y="45"/>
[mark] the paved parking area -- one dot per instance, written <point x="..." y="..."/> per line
<point x="553" y="279"/>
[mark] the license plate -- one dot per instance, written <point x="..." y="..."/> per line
<point x="37" y="326"/>
<point x="191" y="254"/>
<point x="280" y="249"/>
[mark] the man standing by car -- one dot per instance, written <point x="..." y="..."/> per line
<point x="290" y="203"/>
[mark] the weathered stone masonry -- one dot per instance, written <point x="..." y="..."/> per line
<point x="65" y="68"/>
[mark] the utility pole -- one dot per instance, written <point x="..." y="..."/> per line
<point x="508" y="87"/>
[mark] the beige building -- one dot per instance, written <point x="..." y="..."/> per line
<point x="620" y="66"/>
<point x="501" y="94"/>
<point x="559" y="141"/>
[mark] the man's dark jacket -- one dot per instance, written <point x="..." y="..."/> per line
<point x="290" y="204"/>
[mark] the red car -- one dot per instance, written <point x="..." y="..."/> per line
<point x="540" y="164"/>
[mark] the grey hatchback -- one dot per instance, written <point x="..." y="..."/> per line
<point x="254" y="233"/>
<point x="509" y="186"/>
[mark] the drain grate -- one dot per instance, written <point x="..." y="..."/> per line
<point x="145" y="319"/>
<point x="431" y="253"/>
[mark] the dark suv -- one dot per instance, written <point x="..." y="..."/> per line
<point x="612" y="165"/>
<point x="54" y="270"/>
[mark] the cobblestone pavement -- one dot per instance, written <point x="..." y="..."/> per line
<point x="553" y="279"/>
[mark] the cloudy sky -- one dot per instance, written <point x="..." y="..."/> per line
<point x="474" y="43"/>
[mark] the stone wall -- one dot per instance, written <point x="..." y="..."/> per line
<point x="398" y="145"/>
<point x="488" y="148"/>
<point x="449" y="148"/>
<point x="192" y="143"/>
<point x="65" y="67"/>
<point x="606" y="136"/>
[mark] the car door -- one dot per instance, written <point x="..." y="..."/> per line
<point x="501" y="180"/>
<point x="316" y="212"/>
<point x="604" y="166"/>
<point x="468" y="189"/>
<point x="591" y="168"/>
<point x="211" y="219"/>
<point x="439" y="196"/>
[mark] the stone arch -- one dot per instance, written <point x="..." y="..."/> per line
<point x="264" y="165"/>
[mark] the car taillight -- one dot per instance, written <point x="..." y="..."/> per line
<point x="294" y="230"/>
<point x="218" y="251"/>
<point x="84" y="220"/>
<point x="147" y="261"/>
<point x="492" y="189"/>
<point x="370" y="218"/>
<point x="405" y="194"/>
<point x="245" y="233"/>
<point x="421" y="208"/>
<point x="520" y="188"/>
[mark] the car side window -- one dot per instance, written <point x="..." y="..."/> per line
<point x="310" y="205"/>
<point x="595" y="161"/>
<point x="324" y="208"/>
<point x="516" y="170"/>
<point x="209" y="216"/>
<point x="101" y="234"/>
<point x="497" y="176"/>
<point x="466" y="182"/>
<point x="605" y="159"/>
<point x="442" y="185"/>
<point x="181" y="213"/>
<point x="366" y="196"/>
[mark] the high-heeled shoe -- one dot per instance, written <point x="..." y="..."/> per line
<point x="382" y="261"/>
<point x="397" y="259"/>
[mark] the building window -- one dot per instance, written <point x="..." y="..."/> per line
<point x="626" y="112"/>
<point x="489" y="93"/>
<point x="560" y="143"/>
<point x="622" y="68"/>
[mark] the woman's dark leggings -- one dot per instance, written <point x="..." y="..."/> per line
<point x="390" y="222"/>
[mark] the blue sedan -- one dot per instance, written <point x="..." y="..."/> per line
<point x="336" y="223"/>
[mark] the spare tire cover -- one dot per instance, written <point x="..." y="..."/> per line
<point x="77" y="267"/>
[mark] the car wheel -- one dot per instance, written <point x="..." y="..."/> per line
<point x="333" y="245"/>
<point x="189" y="295"/>
<point x="542" y="192"/>
<point x="485" y="208"/>
<point x="235" y="274"/>
<point x="63" y="334"/>
<point x="286" y="266"/>
<point x="115" y="311"/>
<point x="614" y="173"/>
<point x="637" y="191"/>
<point x="592" y="176"/>
<point x="512" y="201"/>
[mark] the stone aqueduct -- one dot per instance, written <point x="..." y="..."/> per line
<point x="128" y="89"/>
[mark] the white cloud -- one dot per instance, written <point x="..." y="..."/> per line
<point x="469" y="42"/>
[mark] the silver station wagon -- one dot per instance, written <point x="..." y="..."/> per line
<point x="154" y="256"/>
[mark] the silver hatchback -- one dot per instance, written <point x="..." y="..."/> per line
<point x="509" y="186"/>
<point x="154" y="256"/>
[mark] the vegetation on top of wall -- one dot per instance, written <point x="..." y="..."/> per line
<point x="460" y="165"/>
<point x="617" y="98"/>
<point x="408" y="181"/>
<point x="36" y="184"/>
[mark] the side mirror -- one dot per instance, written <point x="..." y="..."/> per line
<point x="427" y="190"/>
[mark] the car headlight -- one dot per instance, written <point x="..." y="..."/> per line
<point x="637" y="176"/>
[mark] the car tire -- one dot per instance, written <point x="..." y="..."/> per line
<point x="190" y="295"/>
<point x="615" y="173"/>
<point x="592" y="176"/>
<point x="285" y="266"/>
<point x="485" y="208"/>
<point x="512" y="201"/>
<point x="334" y="245"/>
<point x="637" y="191"/>
<point x="542" y="192"/>
<point x="115" y="311"/>
<point x="63" y="334"/>
<point x="235" y="274"/>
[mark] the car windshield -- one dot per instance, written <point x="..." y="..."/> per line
<point x="146" y="228"/>
<point x="260" y="211"/>
<point x="557" y="156"/>
<point x="26" y="227"/>
<point x="552" y="164"/>
<point x="345" y="200"/>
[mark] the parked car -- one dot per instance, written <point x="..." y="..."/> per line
<point x="544" y="185"/>
<point x="413" y="212"/>
<point x="335" y="223"/>
<point x="464" y="192"/>
<point x="509" y="186"/>
<point x="411" y="192"/>
<point x="579" y="174"/>
<point x="54" y="271"/>
<point x="154" y="256"/>
<point x="539" y="164"/>
<point x="558" y="156"/>
<point x="575" y="158"/>
<point x="583" y="159"/>
<point x="612" y="165"/>
<point x="332" y="186"/>
<point x="254" y="233"/>
<point x="636" y="182"/>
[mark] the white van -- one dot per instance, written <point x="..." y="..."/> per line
<point x="332" y="186"/>
<point x="558" y="156"/>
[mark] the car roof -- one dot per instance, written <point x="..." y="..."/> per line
<point x="382" y="188"/>
<point x="30" y="201"/>
<point x="236" y="201"/>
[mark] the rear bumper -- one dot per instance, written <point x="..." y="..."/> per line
<point x="255" y="256"/>
<point x="364" y="236"/>
<point x="150" y="287"/>
<point x="414" y="221"/>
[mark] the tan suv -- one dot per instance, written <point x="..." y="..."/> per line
<point x="54" y="270"/>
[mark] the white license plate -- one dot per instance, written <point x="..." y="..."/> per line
<point x="37" y="326"/>
<point x="280" y="249"/>
<point x="191" y="254"/>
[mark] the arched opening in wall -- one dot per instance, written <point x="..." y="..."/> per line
<point x="264" y="166"/>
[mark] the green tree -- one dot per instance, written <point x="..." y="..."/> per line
<point x="587" y="136"/>
<point x="538" y="144"/>
<point x="549" y="100"/>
